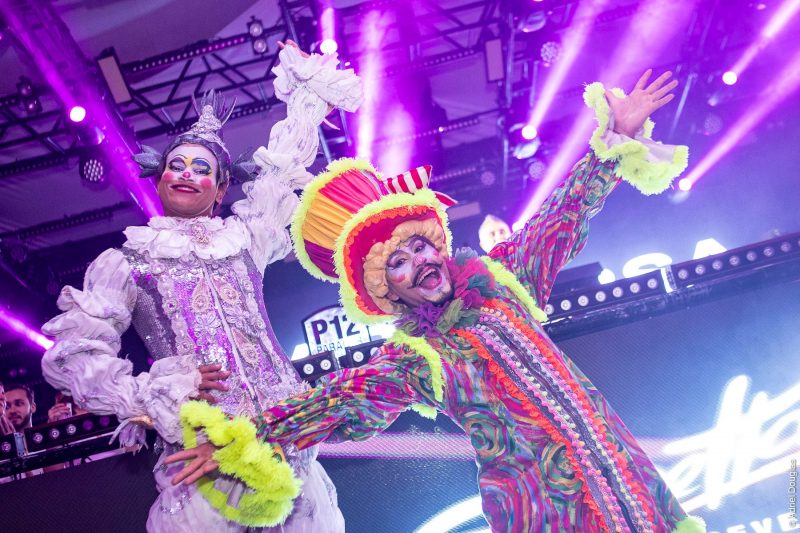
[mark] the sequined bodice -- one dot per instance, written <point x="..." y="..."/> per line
<point x="213" y="310"/>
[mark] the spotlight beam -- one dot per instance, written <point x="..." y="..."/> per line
<point x="372" y="30"/>
<point x="51" y="47"/>
<point x="777" y="90"/>
<point x="18" y="327"/>
<point x="571" y="45"/>
<point x="646" y="28"/>
<point x="778" y="22"/>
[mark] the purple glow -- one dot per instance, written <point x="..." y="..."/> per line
<point x="118" y="146"/>
<point x="774" y="26"/>
<point x="327" y="23"/>
<point x="646" y="37"/>
<point x="12" y="323"/>
<point x="777" y="90"/>
<point x="396" y="157"/>
<point x="685" y="184"/>
<point x="571" y="45"/>
<point x="328" y="46"/>
<point x="730" y="77"/>
<point x="372" y="30"/>
<point x="529" y="132"/>
<point x="77" y="113"/>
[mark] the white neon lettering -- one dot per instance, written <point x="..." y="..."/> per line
<point x="744" y="447"/>
<point x="707" y="247"/>
<point x="642" y="264"/>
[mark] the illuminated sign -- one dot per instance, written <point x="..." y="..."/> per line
<point x="750" y="442"/>
<point x="330" y="329"/>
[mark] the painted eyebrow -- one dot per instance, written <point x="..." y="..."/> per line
<point x="201" y="160"/>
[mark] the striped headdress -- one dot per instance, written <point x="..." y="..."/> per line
<point x="349" y="208"/>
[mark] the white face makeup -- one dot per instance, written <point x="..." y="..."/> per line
<point x="188" y="187"/>
<point x="416" y="273"/>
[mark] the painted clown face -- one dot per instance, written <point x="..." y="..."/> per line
<point x="188" y="187"/>
<point x="417" y="273"/>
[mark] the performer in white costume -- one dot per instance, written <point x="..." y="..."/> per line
<point x="191" y="284"/>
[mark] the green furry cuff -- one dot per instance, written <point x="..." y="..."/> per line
<point x="690" y="524"/>
<point x="425" y="411"/>
<point x="650" y="177"/>
<point x="271" y="482"/>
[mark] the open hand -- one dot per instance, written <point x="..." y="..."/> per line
<point x="202" y="463"/>
<point x="210" y="377"/>
<point x="631" y="111"/>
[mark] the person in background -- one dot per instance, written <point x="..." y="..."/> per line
<point x="492" y="232"/>
<point x="20" y="406"/>
<point x="64" y="408"/>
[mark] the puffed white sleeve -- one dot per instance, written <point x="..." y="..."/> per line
<point x="309" y="86"/>
<point x="84" y="360"/>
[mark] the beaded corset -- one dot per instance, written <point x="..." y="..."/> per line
<point x="213" y="310"/>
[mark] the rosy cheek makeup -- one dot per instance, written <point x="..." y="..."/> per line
<point x="398" y="278"/>
<point x="168" y="176"/>
<point x="207" y="183"/>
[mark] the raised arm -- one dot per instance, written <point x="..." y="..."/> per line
<point x="621" y="149"/>
<point x="310" y="86"/>
<point x="84" y="359"/>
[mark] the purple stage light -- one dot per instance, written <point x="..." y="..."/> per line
<point x="730" y="77"/>
<point x="327" y="25"/>
<point x="776" y="23"/>
<point x="571" y="45"/>
<point x="646" y="32"/>
<point x="77" y="113"/>
<point x="12" y="323"/>
<point x="777" y="90"/>
<point x="373" y="27"/>
<point x="529" y="132"/>
<point x="50" y="56"/>
<point x="685" y="184"/>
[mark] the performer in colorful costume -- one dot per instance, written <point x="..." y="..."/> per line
<point x="191" y="284"/>
<point x="552" y="454"/>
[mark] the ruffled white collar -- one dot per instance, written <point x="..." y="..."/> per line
<point x="174" y="237"/>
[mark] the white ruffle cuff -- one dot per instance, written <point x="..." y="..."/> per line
<point x="648" y="165"/>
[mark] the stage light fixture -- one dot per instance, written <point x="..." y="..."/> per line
<point x="730" y="77"/>
<point x="314" y="367"/>
<point x="720" y="265"/>
<point x="255" y="28"/>
<point x="109" y="66"/>
<point x="328" y="46"/>
<point x="28" y="98"/>
<point x="77" y="113"/>
<point x="529" y="132"/>
<point x="612" y="293"/>
<point x="67" y="430"/>
<point x="93" y="167"/>
<point x="360" y="354"/>
<point x="533" y="21"/>
<point x="550" y="52"/>
<point x="535" y="168"/>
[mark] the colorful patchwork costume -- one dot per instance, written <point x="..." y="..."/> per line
<point x="552" y="454"/>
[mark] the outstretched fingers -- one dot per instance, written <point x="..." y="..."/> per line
<point x="643" y="80"/>
<point x="664" y="90"/>
<point x="658" y="82"/>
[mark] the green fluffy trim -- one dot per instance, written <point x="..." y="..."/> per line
<point x="420" y="346"/>
<point x="333" y="169"/>
<point x="271" y="480"/>
<point x="691" y="524"/>
<point x="425" y="411"/>
<point x="505" y="278"/>
<point x="647" y="176"/>
<point x="347" y="293"/>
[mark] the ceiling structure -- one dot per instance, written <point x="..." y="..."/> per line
<point x="170" y="50"/>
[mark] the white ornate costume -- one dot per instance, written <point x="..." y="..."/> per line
<point x="193" y="290"/>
